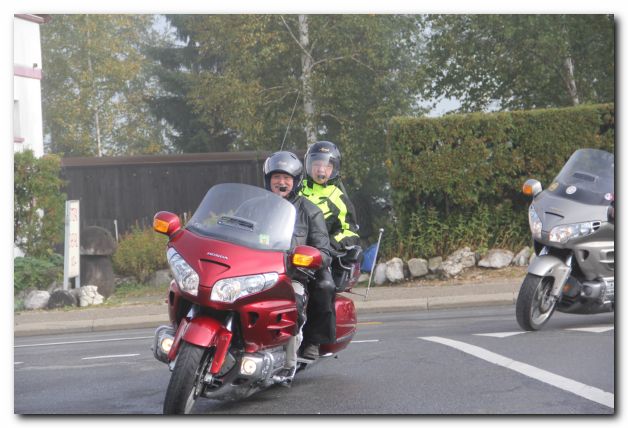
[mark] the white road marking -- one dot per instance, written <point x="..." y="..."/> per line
<point x="110" y="356"/>
<point x="501" y="335"/>
<point x="365" y="341"/>
<point x="594" y="329"/>
<point x="18" y="362"/>
<point x="82" y="341"/>
<point x="589" y="392"/>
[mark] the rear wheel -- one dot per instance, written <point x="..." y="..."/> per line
<point x="186" y="381"/>
<point x="535" y="304"/>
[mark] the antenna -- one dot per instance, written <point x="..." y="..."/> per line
<point x="292" y="114"/>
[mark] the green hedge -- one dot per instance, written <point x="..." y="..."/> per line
<point x="456" y="180"/>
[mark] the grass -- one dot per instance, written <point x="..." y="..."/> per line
<point x="134" y="291"/>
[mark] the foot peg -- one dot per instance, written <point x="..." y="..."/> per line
<point x="285" y="376"/>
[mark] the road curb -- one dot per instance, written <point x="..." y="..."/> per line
<point x="362" y="307"/>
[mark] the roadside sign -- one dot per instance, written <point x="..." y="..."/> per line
<point x="72" y="253"/>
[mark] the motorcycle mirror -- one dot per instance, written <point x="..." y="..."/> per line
<point x="166" y="223"/>
<point x="307" y="257"/>
<point x="532" y="187"/>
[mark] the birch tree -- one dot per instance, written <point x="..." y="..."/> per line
<point x="95" y="85"/>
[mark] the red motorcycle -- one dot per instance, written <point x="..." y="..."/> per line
<point x="232" y="304"/>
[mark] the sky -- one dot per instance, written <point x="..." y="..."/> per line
<point x="10" y="7"/>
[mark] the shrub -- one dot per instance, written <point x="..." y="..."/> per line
<point x="36" y="272"/>
<point x="38" y="203"/>
<point x="139" y="253"/>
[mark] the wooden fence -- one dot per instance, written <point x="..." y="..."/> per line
<point x="127" y="191"/>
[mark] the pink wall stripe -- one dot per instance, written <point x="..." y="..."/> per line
<point x="22" y="71"/>
<point x="39" y="19"/>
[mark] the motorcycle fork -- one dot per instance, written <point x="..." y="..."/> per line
<point x="561" y="274"/>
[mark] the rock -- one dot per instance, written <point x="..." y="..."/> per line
<point x="98" y="271"/>
<point x="464" y="256"/>
<point x="364" y="277"/>
<point x="457" y="262"/>
<point x="418" y="267"/>
<point x="450" y="269"/>
<point x="523" y="257"/>
<point x="76" y="292"/>
<point x="394" y="270"/>
<point x="496" y="259"/>
<point x="88" y="295"/>
<point x="434" y="264"/>
<point x="379" y="276"/>
<point x="36" y="299"/>
<point x="61" y="298"/>
<point x="97" y="241"/>
<point x="160" y="278"/>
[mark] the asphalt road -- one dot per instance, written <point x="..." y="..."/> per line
<point x="446" y="362"/>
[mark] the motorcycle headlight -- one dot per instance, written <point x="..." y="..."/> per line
<point x="535" y="223"/>
<point x="564" y="233"/>
<point x="229" y="290"/>
<point x="186" y="277"/>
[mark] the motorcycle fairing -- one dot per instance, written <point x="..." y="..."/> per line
<point x="214" y="260"/>
<point x="346" y="324"/>
<point x="269" y="323"/>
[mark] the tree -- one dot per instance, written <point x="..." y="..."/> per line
<point x="361" y="75"/>
<point x="347" y="75"/>
<point x="177" y="64"/>
<point x="520" y="61"/>
<point x="95" y="85"/>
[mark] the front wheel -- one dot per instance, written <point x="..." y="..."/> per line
<point x="535" y="303"/>
<point x="186" y="382"/>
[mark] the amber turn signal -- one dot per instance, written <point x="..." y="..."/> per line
<point x="160" y="226"/>
<point x="302" y="260"/>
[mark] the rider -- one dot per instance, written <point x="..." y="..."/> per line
<point x="283" y="175"/>
<point x="322" y="187"/>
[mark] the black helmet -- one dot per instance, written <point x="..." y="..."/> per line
<point x="288" y="163"/>
<point x="323" y="151"/>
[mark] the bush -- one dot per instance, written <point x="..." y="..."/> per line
<point x="140" y="253"/>
<point x="36" y="272"/>
<point x="38" y="203"/>
<point x="456" y="180"/>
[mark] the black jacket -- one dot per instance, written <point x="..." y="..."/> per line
<point x="310" y="228"/>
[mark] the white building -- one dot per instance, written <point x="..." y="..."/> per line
<point x="27" y="74"/>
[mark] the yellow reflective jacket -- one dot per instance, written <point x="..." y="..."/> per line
<point x="337" y="210"/>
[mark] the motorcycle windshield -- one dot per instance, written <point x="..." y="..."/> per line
<point x="587" y="177"/>
<point x="245" y="215"/>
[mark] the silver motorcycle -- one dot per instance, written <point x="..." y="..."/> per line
<point x="573" y="228"/>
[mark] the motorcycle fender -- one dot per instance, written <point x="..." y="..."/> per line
<point x="207" y="332"/>
<point x="548" y="265"/>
